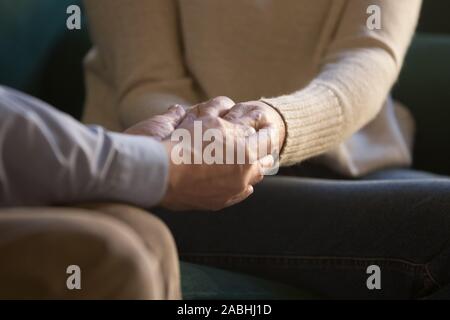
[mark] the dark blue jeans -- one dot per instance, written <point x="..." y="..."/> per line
<point x="322" y="234"/>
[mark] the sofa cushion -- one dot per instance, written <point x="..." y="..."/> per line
<point x="202" y="282"/>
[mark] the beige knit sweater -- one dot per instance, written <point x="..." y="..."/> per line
<point x="326" y="73"/>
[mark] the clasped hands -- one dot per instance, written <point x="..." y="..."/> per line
<point x="215" y="186"/>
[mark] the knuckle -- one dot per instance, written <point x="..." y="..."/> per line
<point x="202" y="106"/>
<point x="223" y="100"/>
<point x="213" y="122"/>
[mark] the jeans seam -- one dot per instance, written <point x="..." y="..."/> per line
<point x="430" y="276"/>
<point x="427" y="265"/>
<point x="344" y="261"/>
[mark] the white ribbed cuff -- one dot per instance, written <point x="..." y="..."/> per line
<point x="313" y="118"/>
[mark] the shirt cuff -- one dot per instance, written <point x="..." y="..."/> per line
<point x="139" y="170"/>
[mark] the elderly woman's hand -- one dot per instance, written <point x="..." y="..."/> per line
<point x="258" y="115"/>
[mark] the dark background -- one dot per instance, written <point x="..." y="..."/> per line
<point x="41" y="59"/>
<point x="435" y="16"/>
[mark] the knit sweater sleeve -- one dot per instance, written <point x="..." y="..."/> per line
<point x="140" y="50"/>
<point x="357" y="70"/>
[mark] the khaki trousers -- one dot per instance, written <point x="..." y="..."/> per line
<point x="122" y="253"/>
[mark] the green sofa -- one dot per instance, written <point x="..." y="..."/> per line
<point x="40" y="56"/>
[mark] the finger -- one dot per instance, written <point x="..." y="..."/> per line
<point x="266" y="164"/>
<point x="216" y="107"/>
<point x="238" y="130"/>
<point x="240" y="197"/>
<point x="264" y="142"/>
<point x="175" y="114"/>
<point x="253" y="118"/>
<point x="236" y="112"/>
<point x="256" y="174"/>
<point x="259" y="169"/>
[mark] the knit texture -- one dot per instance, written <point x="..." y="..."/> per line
<point x="313" y="119"/>
<point x="316" y="62"/>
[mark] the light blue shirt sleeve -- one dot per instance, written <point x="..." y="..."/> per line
<point x="47" y="157"/>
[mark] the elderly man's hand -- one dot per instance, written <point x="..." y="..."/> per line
<point x="213" y="186"/>
<point x="161" y="126"/>
<point x="210" y="185"/>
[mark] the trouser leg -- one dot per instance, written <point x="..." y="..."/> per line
<point x="156" y="237"/>
<point x="323" y="234"/>
<point x="37" y="245"/>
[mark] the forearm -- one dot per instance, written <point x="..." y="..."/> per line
<point x="355" y="74"/>
<point x="49" y="158"/>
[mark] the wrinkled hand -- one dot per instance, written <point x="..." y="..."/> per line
<point x="161" y="126"/>
<point x="258" y="115"/>
<point x="215" y="186"/>
<point x="217" y="108"/>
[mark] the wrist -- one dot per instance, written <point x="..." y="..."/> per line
<point x="280" y="123"/>
<point x="138" y="171"/>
